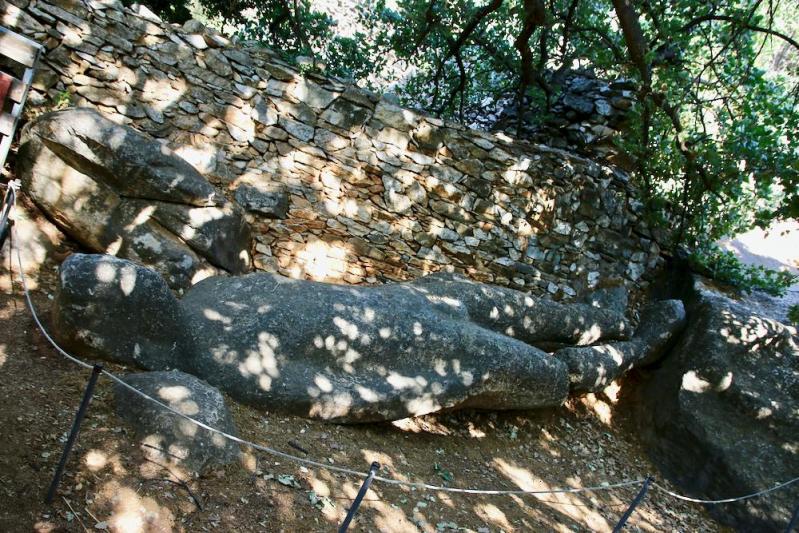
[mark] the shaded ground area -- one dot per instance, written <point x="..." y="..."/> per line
<point x="111" y="485"/>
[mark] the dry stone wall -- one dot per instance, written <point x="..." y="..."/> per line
<point x="588" y="114"/>
<point x="341" y="184"/>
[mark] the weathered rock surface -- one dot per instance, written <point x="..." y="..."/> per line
<point x="117" y="310"/>
<point x="342" y="353"/>
<point x="219" y="234"/>
<point x="720" y="416"/>
<point x="357" y="354"/>
<point x="614" y="298"/>
<point x="168" y="439"/>
<point x="116" y="191"/>
<point x="592" y="368"/>
<point x="125" y="160"/>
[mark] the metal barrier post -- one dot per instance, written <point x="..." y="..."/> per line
<point x="5" y="221"/>
<point x="73" y="434"/>
<point x="359" y="497"/>
<point x="638" y="499"/>
<point x="794" y="520"/>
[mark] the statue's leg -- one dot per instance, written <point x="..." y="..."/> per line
<point x="478" y="369"/>
<point x="532" y="320"/>
<point x="592" y="368"/>
<point x="515" y="375"/>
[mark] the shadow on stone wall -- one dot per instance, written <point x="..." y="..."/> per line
<point x="369" y="191"/>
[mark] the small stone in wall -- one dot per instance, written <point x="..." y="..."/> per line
<point x="132" y="110"/>
<point x="310" y="93"/>
<point x="297" y="129"/>
<point x="217" y="63"/>
<point x="241" y="135"/>
<point x="635" y="271"/>
<point x="581" y="105"/>
<point x="603" y="108"/>
<point x="395" y="117"/>
<point x="270" y="200"/>
<point x="245" y="91"/>
<point x="263" y="112"/>
<point x="154" y="114"/>
<point x="345" y="114"/>
<point x="428" y="138"/>
<point x="237" y="56"/>
<point x="195" y="40"/>
<point x="188" y="107"/>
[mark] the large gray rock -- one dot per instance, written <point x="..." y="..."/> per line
<point x="116" y="191"/>
<point x="720" y="416"/>
<point x="219" y="234"/>
<point x="124" y="159"/>
<point x="168" y="439"/>
<point x="592" y="368"/>
<point x="345" y="353"/>
<point x="117" y="310"/>
<point x="533" y="320"/>
<point x="357" y="354"/>
<point x="614" y="298"/>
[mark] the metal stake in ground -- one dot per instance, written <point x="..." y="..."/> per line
<point x="359" y="497"/>
<point x="638" y="499"/>
<point x="73" y="434"/>
<point x="5" y="222"/>
<point x="794" y="520"/>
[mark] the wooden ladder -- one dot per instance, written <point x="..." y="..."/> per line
<point x="26" y="52"/>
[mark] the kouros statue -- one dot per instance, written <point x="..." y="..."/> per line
<point x="355" y="353"/>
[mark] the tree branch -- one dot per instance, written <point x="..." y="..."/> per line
<point x="459" y="88"/>
<point x="617" y="52"/>
<point x="534" y="16"/>
<point x="753" y="27"/>
<point x="430" y="18"/>
<point x="634" y="37"/>
<point x="456" y="45"/>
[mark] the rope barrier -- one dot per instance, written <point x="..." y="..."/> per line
<point x="348" y="471"/>
<point x="725" y="500"/>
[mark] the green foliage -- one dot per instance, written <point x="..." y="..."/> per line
<point x="793" y="314"/>
<point x="443" y="473"/>
<point x="61" y="101"/>
<point x="724" y="266"/>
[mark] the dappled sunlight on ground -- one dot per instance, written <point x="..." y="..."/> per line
<point x="97" y="460"/>
<point x="570" y="504"/>
<point x="35" y="239"/>
<point x="132" y="513"/>
<point x="602" y="403"/>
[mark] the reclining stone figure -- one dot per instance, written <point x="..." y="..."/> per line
<point x="344" y="353"/>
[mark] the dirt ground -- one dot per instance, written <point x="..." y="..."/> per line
<point x="111" y="485"/>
